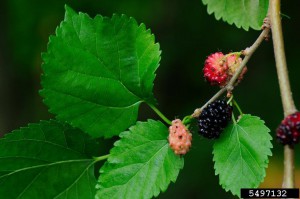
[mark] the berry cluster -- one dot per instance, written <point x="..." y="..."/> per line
<point x="288" y="131"/>
<point x="179" y="138"/>
<point x="214" y="118"/>
<point x="219" y="68"/>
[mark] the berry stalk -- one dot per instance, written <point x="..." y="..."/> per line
<point x="284" y="84"/>
<point x="238" y="107"/>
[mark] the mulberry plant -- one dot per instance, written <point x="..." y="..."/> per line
<point x="96" y="73"/>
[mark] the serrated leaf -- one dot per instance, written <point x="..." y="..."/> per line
<point x="140" y="165"/>
<point x="242" y="13"/>
<point x="98" y="71"/>
<point x="241" y="154"/>
<point x="47" y="160"/>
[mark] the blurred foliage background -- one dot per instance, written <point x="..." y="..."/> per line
<point x="187" y="34"/>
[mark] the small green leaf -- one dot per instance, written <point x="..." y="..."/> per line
<point x="47" y="160"/>
<point x="98" y="71"/>
<point x="140" y="165"/>
<point x="243" y="13"/>
<point x="241" y="154"/>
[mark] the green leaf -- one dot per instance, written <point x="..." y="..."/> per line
<point x="140" y="165"/>
<point x="47" y="160"/>
<point x="241" y="154"/>
<point x="98" y="71"/>
<point x="243" y="13"/>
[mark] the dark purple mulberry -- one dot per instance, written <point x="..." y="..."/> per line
<point x="288" y="131"/>
<point x="214" y="118"/>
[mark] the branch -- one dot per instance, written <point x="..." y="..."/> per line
<point x="281" y="66"/>
<point x="284" y="84"/>
<point x="248" y="53"/>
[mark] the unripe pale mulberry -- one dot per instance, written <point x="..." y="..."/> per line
<point x="180" y="139"/>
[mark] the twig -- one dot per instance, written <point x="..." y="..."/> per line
<point x="288" y="165"/>
<point x="197" y="112"/>
<point x="248" y="52"/>
<point x="230" y="86"/>
<point x="282" y="72"/>
<point x="284" y="84"/>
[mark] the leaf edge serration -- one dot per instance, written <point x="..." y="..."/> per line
<point x="111" y="161"/>
<point x="267" y="155"/>
<point x="239" y="25"/>
<point x="150" y="99"/>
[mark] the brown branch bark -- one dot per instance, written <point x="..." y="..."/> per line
<point x="284" y="84"/>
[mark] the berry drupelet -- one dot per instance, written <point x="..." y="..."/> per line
<point x="214" y="118"/>
<point x="288" y="131"/>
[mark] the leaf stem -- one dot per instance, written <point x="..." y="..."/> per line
<point x="284" y="85"/>
<point x="100" y="158"/>
<point x="164" y="118"/>
<point x="238" y="107"/>
<point x="230" y="100"/>
<point x="230" y="86"/>
<point x="187" y="120"/>
<point x="233" y="118"/>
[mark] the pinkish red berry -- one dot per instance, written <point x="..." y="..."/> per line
<point x="180" y="139"/>
<point x="220" y="68"/>
<point x="233" y="63"/>
<point x="288" y="131"/>
<point x="215" y="69"/>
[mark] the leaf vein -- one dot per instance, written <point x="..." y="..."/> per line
<point x="111" y="107"/>
<point x="44" y="165"/>
<point x="144" y="165"/>
<point x="51" y="143"/>
<point x="29" y="184"/>
<point x="75" y="182"/>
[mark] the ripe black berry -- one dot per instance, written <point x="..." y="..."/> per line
<point x="214" y="118"/>
<point x="288" y="131"/>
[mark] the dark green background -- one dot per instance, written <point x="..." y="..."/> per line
<point x="187" y="34"/>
